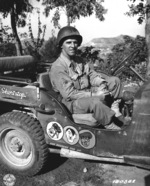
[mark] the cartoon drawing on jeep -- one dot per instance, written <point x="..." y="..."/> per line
<point x="71" y="135"/>
<point x="87" y="139"/>
<point x="54" y="130"/>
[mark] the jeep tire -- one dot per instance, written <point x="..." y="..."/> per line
<point x="23" y="149"/>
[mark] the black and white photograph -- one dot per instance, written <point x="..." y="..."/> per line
<point x="74" y="92"/>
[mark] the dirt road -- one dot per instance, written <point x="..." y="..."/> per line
<point x="73" y="172"/>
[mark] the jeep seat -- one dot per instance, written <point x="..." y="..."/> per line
<point x="44" y="81"/>
<point x="87" y="119"/>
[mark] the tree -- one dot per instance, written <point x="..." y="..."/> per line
<point x="74" y="9"/>
<point x="17" y="10"/>
<point x="49" y="50"/>
<point x="142" y="10"/>
<point x="31" y="44"/>
<point x="7" y="47"/>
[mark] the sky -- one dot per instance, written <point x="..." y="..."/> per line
<point x="116" y="23"/>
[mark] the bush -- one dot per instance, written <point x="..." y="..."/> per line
<point x="7" y="49"/>
<point x="49" y="51"/>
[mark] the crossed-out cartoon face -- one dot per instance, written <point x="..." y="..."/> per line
<point x="86" y="139"/>
<point x="54" y="130"/>
<point x="71" y="135"/>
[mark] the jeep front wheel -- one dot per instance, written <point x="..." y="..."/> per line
<point x="22" y="145"/>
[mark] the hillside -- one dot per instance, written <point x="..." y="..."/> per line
<point x="105" y="42"/>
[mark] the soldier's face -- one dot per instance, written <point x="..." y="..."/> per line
<point x="69" y="47"/>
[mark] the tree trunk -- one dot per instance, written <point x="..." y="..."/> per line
<point x="68" y="21"/>
<point x="15" y="34"/>
<point x="147" y="35"/>
<point x="1" y="31"/>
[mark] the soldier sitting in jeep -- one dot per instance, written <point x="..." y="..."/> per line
<point x="84" y="90"/>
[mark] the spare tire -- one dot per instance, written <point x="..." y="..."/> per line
<point x="23" y="149"/>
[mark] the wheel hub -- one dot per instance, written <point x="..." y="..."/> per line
<point x="16" y="145"/>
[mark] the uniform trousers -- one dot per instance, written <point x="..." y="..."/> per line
<point x="101" y="112"/>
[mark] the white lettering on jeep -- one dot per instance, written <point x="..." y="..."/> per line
<point x="13" y="93"/>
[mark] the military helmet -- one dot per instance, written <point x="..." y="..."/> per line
<point x="67" y="32"/>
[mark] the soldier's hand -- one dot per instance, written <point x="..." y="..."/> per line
<point x="101" y="93"/>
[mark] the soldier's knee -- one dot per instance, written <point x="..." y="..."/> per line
<point x="116" y="80"/>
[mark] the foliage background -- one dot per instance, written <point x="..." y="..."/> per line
<point x="129" y="52"/>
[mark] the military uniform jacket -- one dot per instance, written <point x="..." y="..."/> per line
<point x="73" y="79"/>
